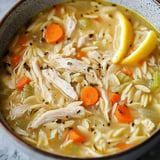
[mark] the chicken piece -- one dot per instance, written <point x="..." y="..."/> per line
<point x="45" y="93"/>
<point x="82" y="40"/>
<point x="94" y="55"/>
<point x="148" y="125"/>
<point x="70" y="23"/>
<point x="70" y="64"/>
<point x="69" y="49"/>
<point x="107" y="104"/>
<point x="59" y="83"/>
<point x="73" y="110"/>
<point x="18" y="111"/>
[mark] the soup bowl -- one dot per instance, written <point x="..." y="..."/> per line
<point x="18" y="16"/>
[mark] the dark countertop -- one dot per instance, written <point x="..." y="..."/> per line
<point x="8" y="150"/>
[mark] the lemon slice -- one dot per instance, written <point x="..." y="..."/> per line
<point x="143" y="50"/>
<point x="123" y="37"/>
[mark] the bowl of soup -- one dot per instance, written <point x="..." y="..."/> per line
<point x="80" y="79"/>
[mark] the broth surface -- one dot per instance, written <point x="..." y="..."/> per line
<point x="67" y="88"/>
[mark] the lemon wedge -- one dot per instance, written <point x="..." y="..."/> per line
<point x="123" y="37"/>
<point x="143" y="50"/>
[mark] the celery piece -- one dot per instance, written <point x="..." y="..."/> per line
<point x="119" y="88"/>
<point x="150" y="113"/>
<point x="153" y="84"/>
<point x="84" y="23"/>
<point x="21" y="123"/>
<point x="28" y="91"/>
<point x="123" y="77"/>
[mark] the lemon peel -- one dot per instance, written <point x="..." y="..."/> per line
<point x="143" y="51"/>
<point x="125" y="39"/>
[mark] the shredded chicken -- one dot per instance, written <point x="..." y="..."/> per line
<point x="69" y="49"/>
<point x="70" y="64"/>
<point x="59" y="83"/>
<point x="148" y="125"/>
<point x="82" y="40"/>
<point x="45" y="93"/>
<point x="107" y="107"/>
<point x="18" y="111"/>
<point x="94" y="55"/>
<point x="73" y="110"/>
<point x="70" y="23"/>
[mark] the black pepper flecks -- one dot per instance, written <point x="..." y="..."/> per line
<point x="133" y="124"/>
<point x="58" y="121"/>
<point x="107" y="66"/>
<point x="69" y="63"/>
<point x="89" y="68"/>
<point x="78" y="111"/>
<point x="84" y="76"/>
<point x="43" y="40"/>
<point x="108" y="124"/>
<point x="46" y="53"/>
<point x="91" y="35"/>
<point x="114" y="5"/>
<point x="26" y="66"/>
<point x="41" y="67"/>
<point x="93" y="85"/>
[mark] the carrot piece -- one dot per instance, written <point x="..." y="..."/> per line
<point x="58" y="8"/>
<point x="124" y="146"/>
<point x="21" y="82"/>
<point x="15" y="60"/>
<point x="54" y="33"/>
<point x="75" y="137"/>
<point x="114" y="97"/>
<point x="127" y="72"/>
<point x="123" y="114"/>
<point x="81" y="54"/>
<point x="89" y="95"/>
<point x="98" y="19"/>
<point x="141" y="62"/>
<point x="22" y="40"/>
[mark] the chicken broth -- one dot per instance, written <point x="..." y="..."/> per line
<point x="82" y="79"/>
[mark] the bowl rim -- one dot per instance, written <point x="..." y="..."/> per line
<point x="151" y="141"/>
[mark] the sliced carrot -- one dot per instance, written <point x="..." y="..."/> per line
<point x="97" y="19"/>
<point x="22" y="40"/>
<point x="15" y="60"/>
<point x="75" y="136"/>
<point x="127" y="72"/>
<point x="89" y="95"/>
<point x="141" y="62"/>
<point x="54" y="33"/>
<point x="21" y="82"/>
<point x="114" y="97"/>
<point x="123" y="114"/>
<point x="124" y="146"/>
<point x="81" y="54"/>
<point x="58" y="8"/>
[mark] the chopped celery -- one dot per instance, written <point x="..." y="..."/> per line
<point x="85" y="23"/>
<point x="150" y="113"/>
<point x="123" y="77"/>
<point x="119" y="88"/>
<point x="21" y="123"/>
<point x="27" y="91"/>
<point x="72" y="148"/>
<point x="153" y="84"/>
